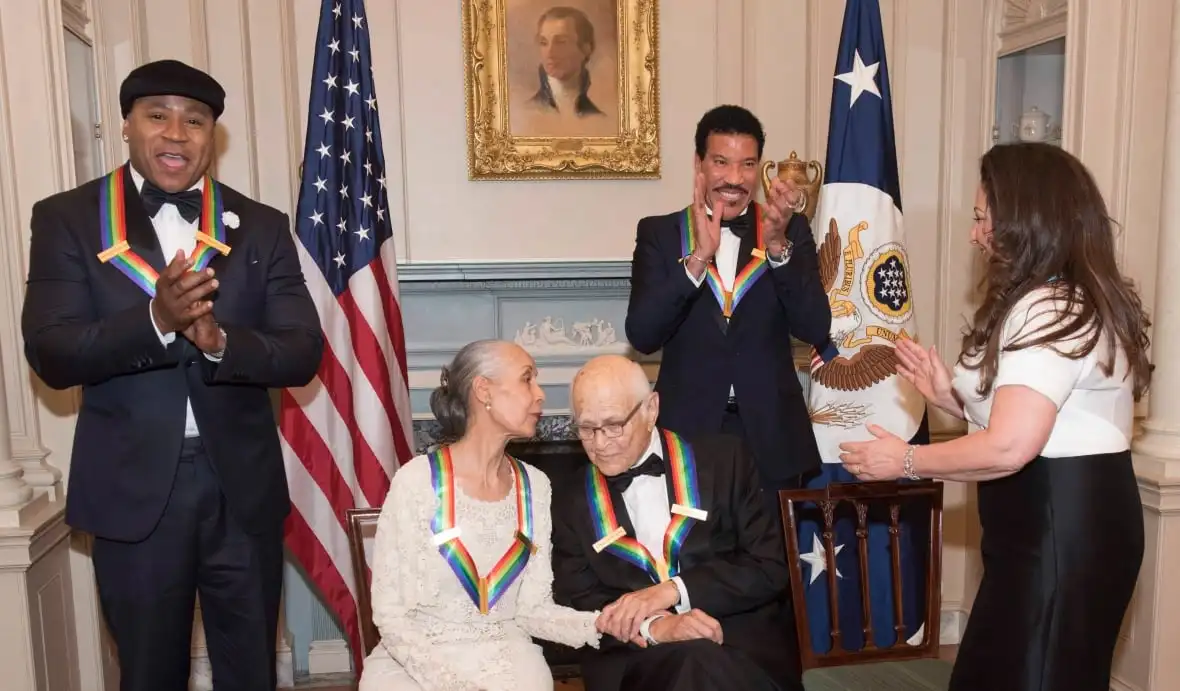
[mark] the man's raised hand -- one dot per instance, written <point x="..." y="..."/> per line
<point x="706" y="231"/>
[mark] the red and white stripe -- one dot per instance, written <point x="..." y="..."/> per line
<point x="346" y="433"/>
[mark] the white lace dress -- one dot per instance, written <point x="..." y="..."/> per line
<point x="433" y="637"/>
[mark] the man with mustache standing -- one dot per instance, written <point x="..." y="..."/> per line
<point x="721" y="286"/>
<point x="175" y="303"/>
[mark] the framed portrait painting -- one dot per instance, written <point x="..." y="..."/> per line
<point x="561" y="89"/>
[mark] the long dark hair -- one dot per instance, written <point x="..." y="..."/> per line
<point x="1050" y="226"/>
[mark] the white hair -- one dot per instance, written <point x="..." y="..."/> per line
<point x="624" y="370"/>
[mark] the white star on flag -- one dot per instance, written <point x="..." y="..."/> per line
<point x="862" y="78"/>
<point x="818" y="559"/>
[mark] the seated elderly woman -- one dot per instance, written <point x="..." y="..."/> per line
<point x="461" y="567"/>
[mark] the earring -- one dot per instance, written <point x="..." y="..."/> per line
<point x="487" y="406"/>
<point x="125" y="138"/>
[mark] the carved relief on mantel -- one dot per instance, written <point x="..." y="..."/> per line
<point x="551" y="335"/>
<point x="1018" y="13"/>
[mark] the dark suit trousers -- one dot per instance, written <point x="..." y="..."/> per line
<point x="685" y="666"/>
<point x="731" y="423"/>
<point x="147" y="590"/>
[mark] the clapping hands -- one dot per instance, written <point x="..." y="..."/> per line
<point x="926" y="371"/>
<point x="706" y="229"/>
<point x="781" y="201"/>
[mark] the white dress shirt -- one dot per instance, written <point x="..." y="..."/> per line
<point x="565" y="99"/>
<point x="174" y="233"/>
<point x="726" y="260"/>
<point x="650" y="511"/>
<point x="1095" y="411"/>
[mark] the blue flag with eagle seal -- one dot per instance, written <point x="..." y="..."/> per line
<point x="865" y="271"/>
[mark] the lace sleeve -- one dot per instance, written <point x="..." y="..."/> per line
<point x="536" y="612"/>
<point x="394" y="556"/>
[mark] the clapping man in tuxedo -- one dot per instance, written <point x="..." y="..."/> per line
<point x="175" y="302"/>
<point x="720" y="287"/>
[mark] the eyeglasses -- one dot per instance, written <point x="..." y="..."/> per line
<point x="611" y="430"/>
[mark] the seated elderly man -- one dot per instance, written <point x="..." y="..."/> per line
<point x="670" y="538"/>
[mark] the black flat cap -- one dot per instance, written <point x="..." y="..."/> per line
<point x="171" y="78"/>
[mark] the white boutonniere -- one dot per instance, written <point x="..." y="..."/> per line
<point x="230" y="219"/>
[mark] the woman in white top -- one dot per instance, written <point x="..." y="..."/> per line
<point x="1050" y="369"/>
<point x="461" y="567"/>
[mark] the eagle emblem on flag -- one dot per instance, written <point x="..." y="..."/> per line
<point x="885" y="289"/>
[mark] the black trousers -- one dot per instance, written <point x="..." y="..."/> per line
<point x="696" y="665"/>
<point x="731" y="423"/>
<point x="147" y="590"/>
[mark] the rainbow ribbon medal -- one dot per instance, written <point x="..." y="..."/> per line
<point x="484" y="591"/>
<point x="686" y="507"/>
<point x="728" y="299"/>
<point x="117" y="251"/>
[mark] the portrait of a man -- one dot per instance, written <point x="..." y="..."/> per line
<point x="562" y="89"/>
<point x="563" y="68"/>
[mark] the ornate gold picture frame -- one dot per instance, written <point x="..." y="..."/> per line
<point x="561" y="89"/>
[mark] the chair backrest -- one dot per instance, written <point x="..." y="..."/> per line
<point x="862" y="497"/>
<point x="362" y="529"/>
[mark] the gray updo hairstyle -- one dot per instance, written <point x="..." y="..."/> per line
<point x="450" y="399"/>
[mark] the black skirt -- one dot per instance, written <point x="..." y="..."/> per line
<point x="1062" y="546"/>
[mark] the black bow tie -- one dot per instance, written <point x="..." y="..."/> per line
<point x="738" y="225"/>
<point x="653" y="465"/>
<point x="188" y="203"/>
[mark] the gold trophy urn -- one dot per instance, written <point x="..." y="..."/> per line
<point x="807" y="175"/>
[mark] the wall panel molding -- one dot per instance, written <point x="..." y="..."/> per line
<point x="226" y="45"/>
<point x="14" y="369"/>
<point x="75" y="18"/>
<point x="389" y="76"/>
<point x="290" y="75"/>
<point x="199" y="30"/>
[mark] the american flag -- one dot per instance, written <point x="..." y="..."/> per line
<point x="345" y="433"/>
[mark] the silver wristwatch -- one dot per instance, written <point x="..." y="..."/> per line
<point x="221" y="353"/>
<point x="645" y="629"/>
<point x="784" y="256"/>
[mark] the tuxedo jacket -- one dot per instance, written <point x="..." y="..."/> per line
<point x="732" y="564"/>
<point x="87" y="324"/>
<point x="703" y="354"/>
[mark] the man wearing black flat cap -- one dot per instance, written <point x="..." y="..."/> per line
<point x="175" y="303"/>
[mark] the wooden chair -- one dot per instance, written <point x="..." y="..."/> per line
<point x="362" y="525"/>
<point x="861" y="496"/>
